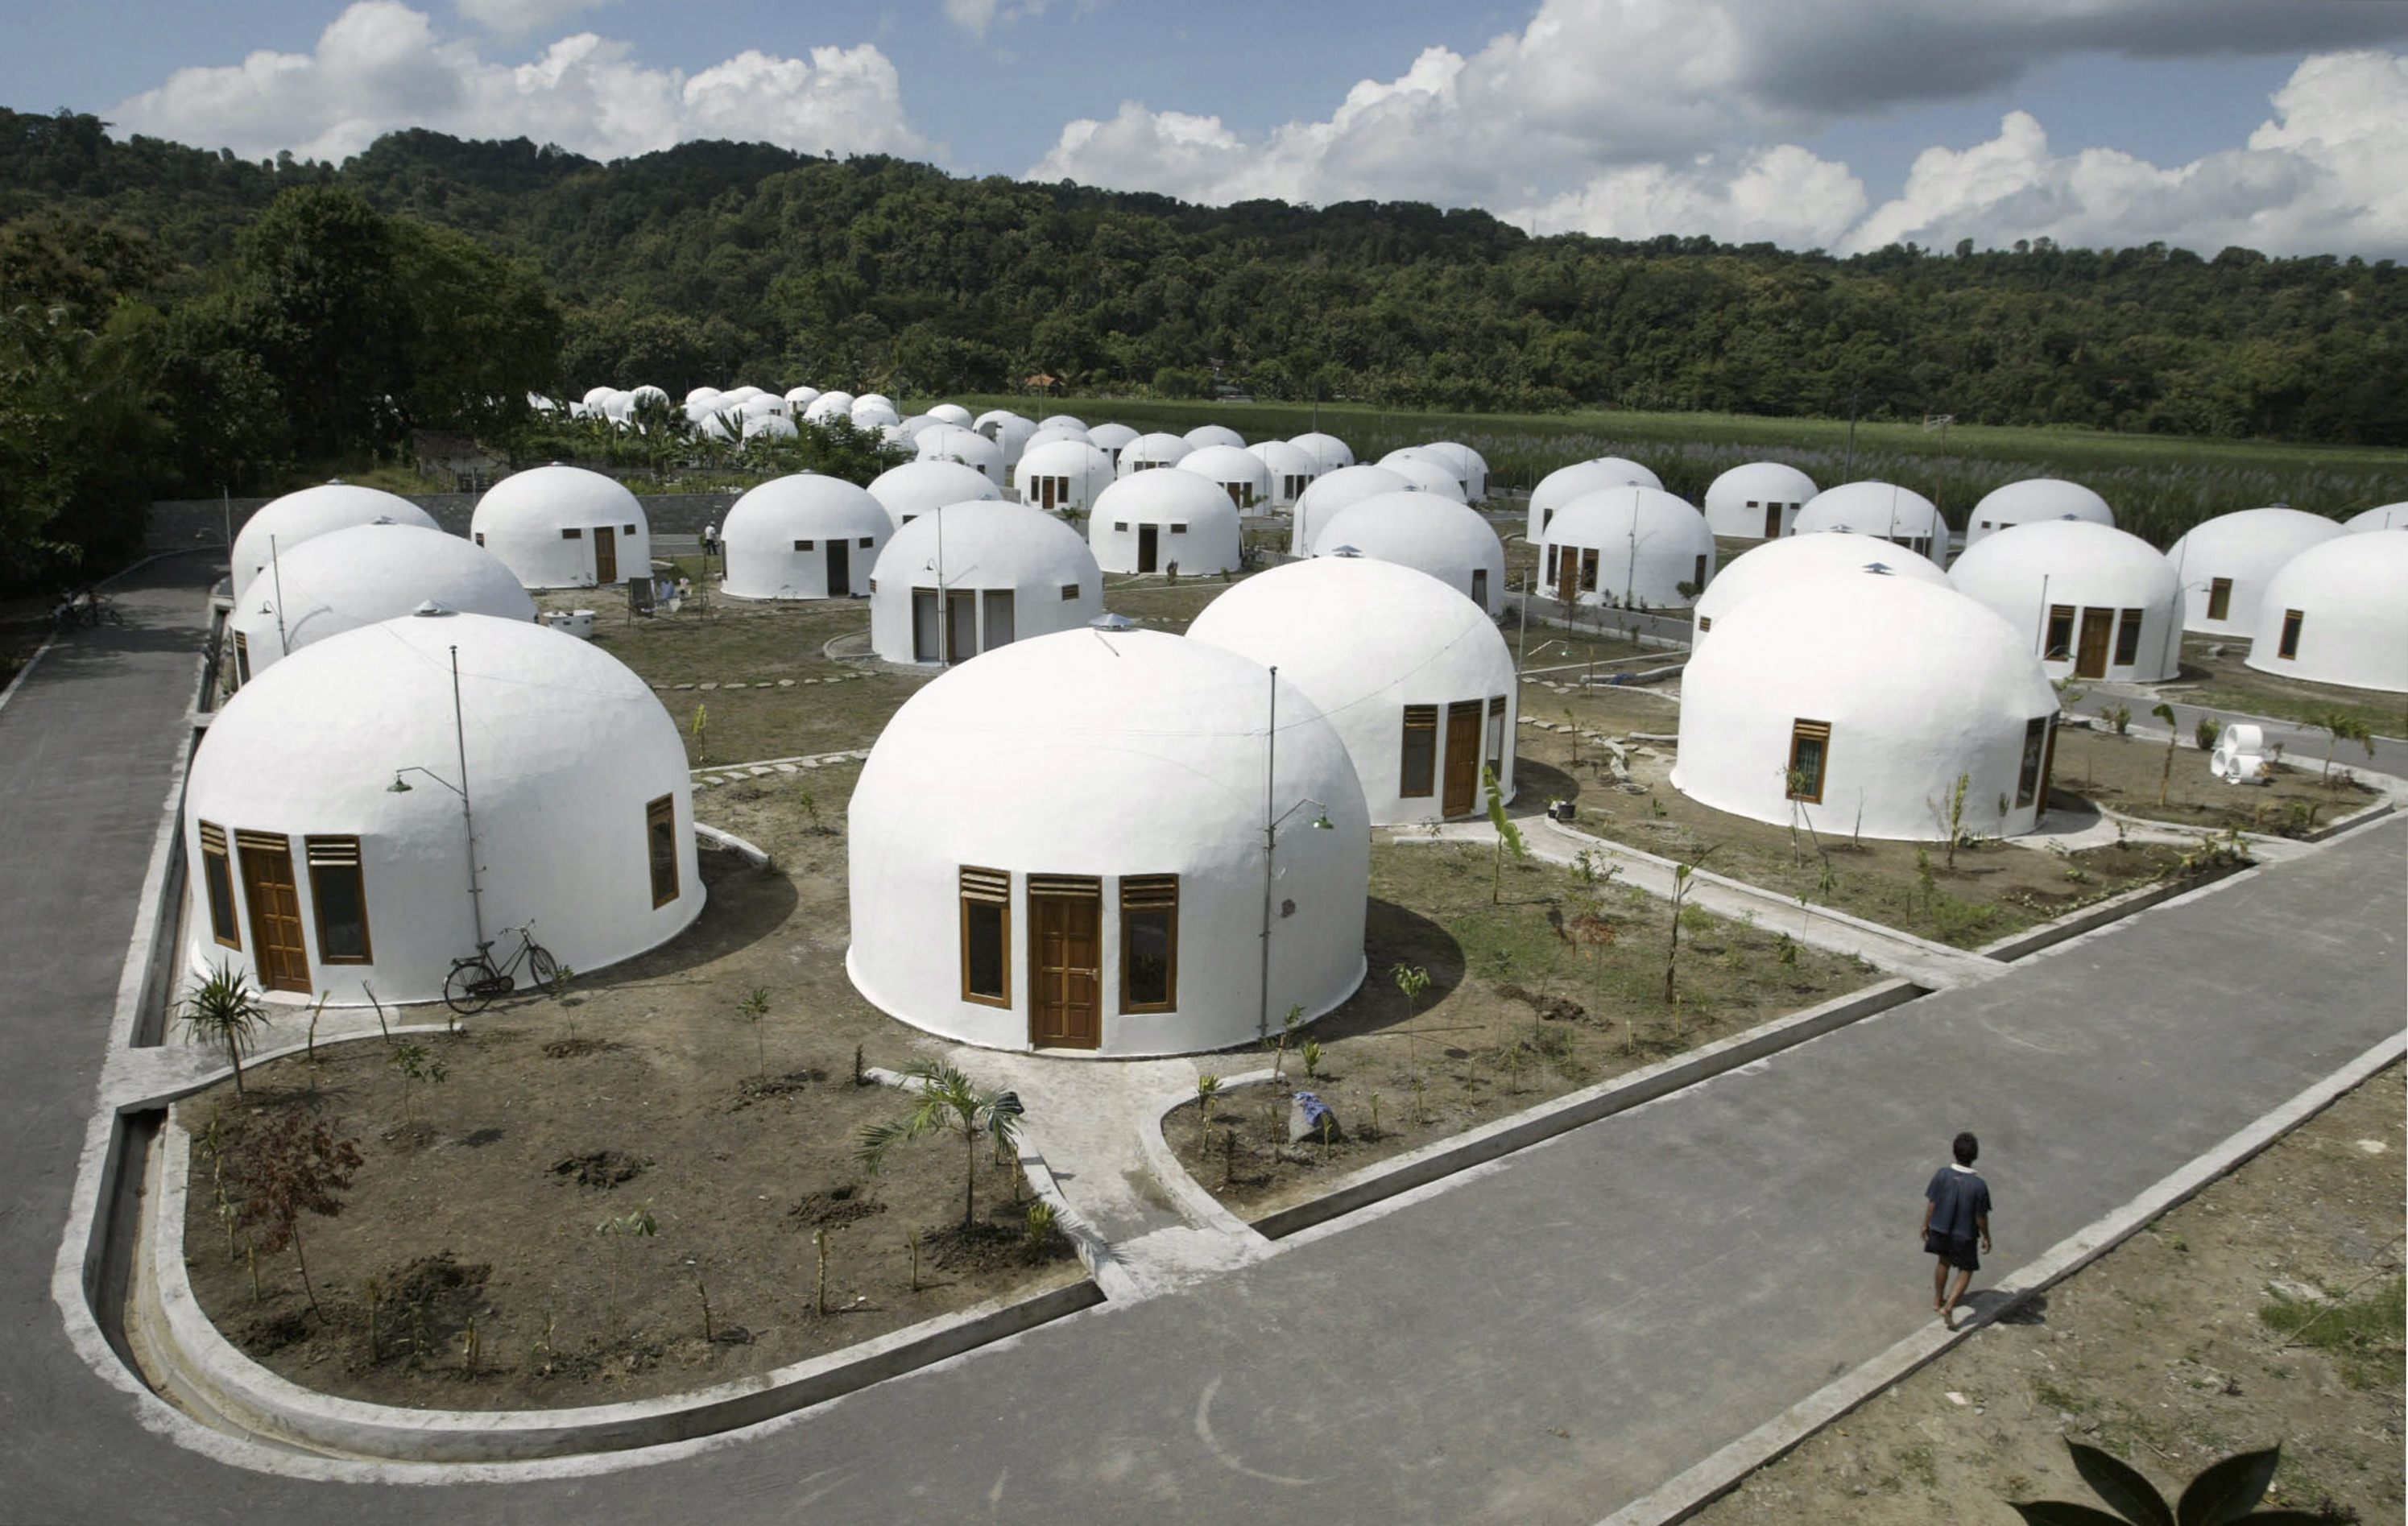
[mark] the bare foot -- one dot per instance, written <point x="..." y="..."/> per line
<point x="1948" y="1316"/>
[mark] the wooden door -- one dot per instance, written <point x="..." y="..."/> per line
<point x="839" y="568"/>
<point x="1772" y="521"/>
<point x="2097" y="633"/>
<point x="274" y="898"/>
<point x="1065" y="915"/>
<point x="605" y="554"/>
<point x="961" y="625"/>
<point x="1568" y="573"/>
<point x="927" y="640"/>
<point x="1462" y="729"/>
<point x="1149" y="546"/>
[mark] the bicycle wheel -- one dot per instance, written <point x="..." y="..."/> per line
<point x="542" y="964"/>
<point x="460" y="988"/>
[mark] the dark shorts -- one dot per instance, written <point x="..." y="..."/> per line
<point x="1959" y="1251"/>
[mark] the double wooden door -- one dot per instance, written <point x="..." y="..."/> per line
<point x="1066" y="919"/>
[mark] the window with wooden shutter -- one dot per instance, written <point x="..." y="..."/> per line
<point x="2059" y="644"/>
<point x="2128" y="637"/>
<point x="217" y="879"/>
<point x="572" y="532"/>
<point x="1419" y="771"/>
<point x="986" y="936"/>
<point x="2219" y="599"/>
<point x="2035" y="749"/>
<point x="340" y="898"/>
<point x="1069" y="592"/>
<point x="1149" y="942"/>
<point x="807" y="546"/>
<point x="1810" y="758"/>
<point x="2290" y="646"/>
<point x="660" y="840"/>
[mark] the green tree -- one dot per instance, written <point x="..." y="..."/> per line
<point x="947" y="1100"/>
<point x="316" y="298"/>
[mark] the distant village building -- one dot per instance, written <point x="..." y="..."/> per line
<point x="1157" y="522"/>
<point x="2338" y="613"/>
<point x="2091" y="601"/>
<point x="969" y="577"/>
<point x="564" y="527"/>
<point x="368" y="574"/>
<point x="2224" y="563"/>
<point x="1759" y="501"/>
<point x="804" y="537"/>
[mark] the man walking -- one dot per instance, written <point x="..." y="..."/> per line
<point x="1955" y="1211"/>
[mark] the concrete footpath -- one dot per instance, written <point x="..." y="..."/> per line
<point x="1543" y="1339"/>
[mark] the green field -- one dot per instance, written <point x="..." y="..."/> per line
<point x="2160" y="485"/>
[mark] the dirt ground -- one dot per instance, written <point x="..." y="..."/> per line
<point x="1994" y="889"/>
<point x="2265" y="1310"/>
<point x="2123" y="773"/>
<point x="2224" y="680"/>
<point x="653" y="1073"/>
<point x="1557" y="985"/>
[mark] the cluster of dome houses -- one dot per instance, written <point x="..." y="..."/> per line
<point x="1100" y="838"/>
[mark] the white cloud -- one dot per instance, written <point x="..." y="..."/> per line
<point x="1782" y="195"/>
<point x="972" y="16"/>
<point x="516" y="17"/>
<point x="380" y="66"/>
<point x="2325" y="174"/>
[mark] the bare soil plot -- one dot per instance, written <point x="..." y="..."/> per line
<point x="1555" y="985"/>
<point x="1990" y="890"/>
<point x="2228" y="682"/>
<point x="2124" y="772"/>
<point x="646" y="1089"/>
<point x="2266" y="1309"/>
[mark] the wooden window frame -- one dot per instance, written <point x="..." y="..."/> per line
<point x="1179" y="529"/>
<point x="1420" y="719"/>
<point x="868" y="541"/>
<point x="572" y="532"/>
<point x="657" y="813"/>
<point x="2056" y="639"/>
<point x="1145" y="893"/>
<point x="1588" y="571"/>
<point x="807" y="545"/>
<point x="629" y="530"/>
<point x="217" y="886"/>
<point x="241" y="658"/>
<point x="1492" y="744"/>
<point x="1550" y="579"/>
<point x="1808" y="731"/>
<point x="1069" y="592"/>
<point x="2288" y="648"/>
<point x="987" y="886"/>
<point x="1705" y="623"/>
<point x="326" y="858"/>
<point x="2128" y="637"/>
<point x="2219" y="598"/>
<point x="2033" y="763"/>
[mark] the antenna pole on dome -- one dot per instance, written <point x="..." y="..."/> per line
<point x="284" y="648"/>
<point x="1270" y="841"/>
<point x="467" y="814"/>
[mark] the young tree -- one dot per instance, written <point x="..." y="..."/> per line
<point x="1681" y="873"/>
<point x="2174" y="738"/>
<point x="291" y="1165"/>
<point x="1509" y="836"/>
<point x="948" y="1102"/>
<point x="755" y="1005"/>
<point x="224" y="1010"/>
<point x="2341" y="726"/>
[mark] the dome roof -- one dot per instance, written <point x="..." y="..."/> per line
<point x="1155" y="450"/>
<point x="1426" y="474"/>
<point x="522" y="520"/>
<point x="1430" y="533"/>
<point x="1229" y="464"/>
<point x="870" y="414"/>
<point x="952" y="413"/>
<point x="1328" y="452"/>
<point x="1876" y="508"/>
<point x="1110" y="437"/>
<point x="1284" y="458"/>
<point x="2031" y="501"/>
<point x="2025" y="571"/>
<point x="1052" y="431"/>
<point x="1088" y="470"/>
<point x="827" y="407"/>
<point x="1062" y="420"/>
<point x="1209" y="435"/>
<point x="565" y="750"/>
<point x="2350" y="597"/>
<point x="1010" y="431"/>
<point x="1364" y="639"/>
<point x="797" y="397"/>
<point x="1735" y="501"/>
<point x="977" y="546"/>
<point x="347" y="578"/>
<point x="297" y="517"/>
<point x="2385" y="517"/>
<point x="1778" y="563"/>
<point x="1566" y="484"/>
<point x="916" y="487"/>
<point x="1648" y="543"/>
<point x="949" y="442"/>
<point x="1122" y="754"/>
<point x="765" y="405"/>
<point x="1162" y="495"/>
<point x="1193" y="524"/>
<point x="705" y="395"/>
<point x="762" y="527"/>
<point x="1913" y="685"/>
<point x="1469" y="465"/>
<point x="1336" y="490"/>
<point x="2240" y="550"/>
<point x="773" y="426"/>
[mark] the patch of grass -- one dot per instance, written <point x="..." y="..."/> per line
<point x="2050" y="1394"/>
<point x="2363" y="1334"/>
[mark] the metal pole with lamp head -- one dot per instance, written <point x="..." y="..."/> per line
<point x="1270" y="830"/>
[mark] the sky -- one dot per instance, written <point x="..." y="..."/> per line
<point x="1839" y="125"/>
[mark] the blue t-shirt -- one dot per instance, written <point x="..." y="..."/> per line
<point x="1958" y="1196"/>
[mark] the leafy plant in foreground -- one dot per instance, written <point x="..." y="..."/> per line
<point x="225" y="1011"/>
<point x="948" y="1102"/>
<point x="2223" y="1493"/>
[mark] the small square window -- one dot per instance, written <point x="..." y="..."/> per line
<point x="630" y="530"/>
<point x="1179" y="529"/>
<point x="1069" y="592"/>
<point x="807" y="545"/>
<point x="867" y="541"/>
<point x="1120" y="526"/>
<point x="572" y="532"/>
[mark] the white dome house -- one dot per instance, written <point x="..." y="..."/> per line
<point x="1413" y="675"/>
<point x="2225" y="563"/>
<point x="1209" y="435"/>
<point x="1627" y="548"/>
<point x="2031" y="501"/>
<point x="952" y="413"/>
<point x="1471" y="467"/>
<point x="1062" y="474"/>
<point x="1860" y="700"/>
<point x="971" y="577"/>
<point x="2338" y="613"/>
<point x="1063" y="847"/>
<point x="370" y="573"/>
<point x="1566" y="484"/>
<point x="1333" y="492"/>
<point x="329" y="834"/>
<point x="275" y="528"/>
<point x="1151" y="452"/>
<point x="1425" y="474"/>
<point x="1759" y="501"/>
<point x="1112" y="439"/>
<point x="1238" y="473"/>
<point x="967" y="446"/>
<point x="1328" y="452"/>
<point x="1778" y="563"/>
<point x="1426" y="533"/>
<point x="827" y="407"/>
<point x="1290" y="470"/>
<point x="2385" y="517"/>
<point x="1164" y="521"/>
<point x="1877" y="508"/>
<point x="2092" y="601"/>
<point x="917" y="487"/>
<point x="805" y="537"/>
<point x="564" y="527"/>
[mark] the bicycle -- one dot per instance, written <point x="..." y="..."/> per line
<point x="475" y="980"/>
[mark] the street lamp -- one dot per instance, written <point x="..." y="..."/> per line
<point x="401" y="786"/>
<point x="1273" y="818"/>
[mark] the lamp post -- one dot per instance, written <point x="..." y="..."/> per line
<point x="467" y="811"/>
<point x="1271" y="823"/>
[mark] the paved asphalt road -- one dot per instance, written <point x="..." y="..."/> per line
<point x="1540" y="1343"/>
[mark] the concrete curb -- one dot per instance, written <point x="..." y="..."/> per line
<point x="1445" y="1158"/>
<point x="757" y="857"/>
<point x="2348" y="824"/>
<point x="41" y="651"/>
<point x="1692" y="1490"/>
<point x="282" y="1411"/>
<point x="1199" y="1206"/>
<point x="2114" y="908"/>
